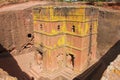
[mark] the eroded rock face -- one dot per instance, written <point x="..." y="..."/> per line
<point x="16" y="29"/>
<point x="4" y="76"/>
<point x="113" y="70"/>
<point x="108" y="30"/>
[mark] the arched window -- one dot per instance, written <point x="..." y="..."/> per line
<point x="41" y="27"/>
<point x="58" y="27"/>
<point x="73" y="28"/>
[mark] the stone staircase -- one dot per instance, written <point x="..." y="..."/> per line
<point x="66" y="73"/>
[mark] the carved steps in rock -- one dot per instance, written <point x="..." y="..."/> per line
<point x="64" y="72"/>
<point x="52" y="75"/>
<point x="69" y="73"/>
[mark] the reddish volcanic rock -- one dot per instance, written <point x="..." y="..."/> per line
<point x="113" y="70"/>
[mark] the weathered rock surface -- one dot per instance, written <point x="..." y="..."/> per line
<point x="4" y="76"/>
<point x="16" y="29"/>
<point x="16" y="26"/>
<point x="113" y="70"/>
<point x="108" y="30"/>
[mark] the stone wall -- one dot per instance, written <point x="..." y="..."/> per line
<point x="108" y="30"/>
<point x="16" y="29"/>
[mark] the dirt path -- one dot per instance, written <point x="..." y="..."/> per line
<point x="22" y="6"/>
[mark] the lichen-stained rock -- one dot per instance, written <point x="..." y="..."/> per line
<point x="113" y="70"/>
<point x="4" y="76"/>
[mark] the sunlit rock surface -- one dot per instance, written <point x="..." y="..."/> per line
<point x="113" y="70"/>
<point x="5" y="76"/>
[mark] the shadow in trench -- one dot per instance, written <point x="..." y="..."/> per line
<point x="96" y="71"/>
<point x="10" y="65"/>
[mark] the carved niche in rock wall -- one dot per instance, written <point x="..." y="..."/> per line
<point x="70" y="60"/>
<point x="39" y="55"/>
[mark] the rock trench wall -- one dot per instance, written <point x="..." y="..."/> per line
<point x="16" y="29"/>
<point x="108" y="30"/>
